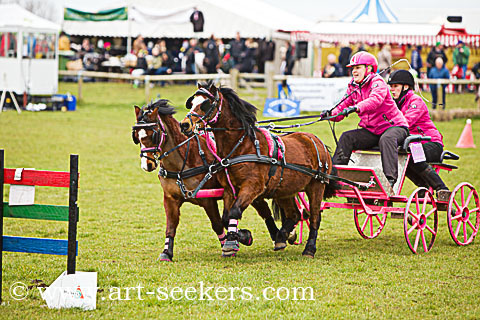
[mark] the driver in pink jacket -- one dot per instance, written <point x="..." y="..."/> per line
<point x="381" y="122"/>
<point x="416" y="112"/>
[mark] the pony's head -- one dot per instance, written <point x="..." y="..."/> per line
<point x="206" y="106"/>
<point x="150" y="132"/>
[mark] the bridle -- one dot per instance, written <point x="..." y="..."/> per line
<point x="159" y="136"/>
<point x="207" y="107"/>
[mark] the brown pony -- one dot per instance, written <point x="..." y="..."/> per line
<point x="158" y="132"/>
<point x="307" y="163"/>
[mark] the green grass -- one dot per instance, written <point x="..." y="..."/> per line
<point x="122" y="225"/>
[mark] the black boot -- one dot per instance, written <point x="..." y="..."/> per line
<point x="433" y="179"/>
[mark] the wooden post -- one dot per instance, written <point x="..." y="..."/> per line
<point x="2" y="166"/>
<point x="234" y="74"/>
<point x="147" y="89"/>
<point x="72" y="214"/>
<point x="270" y="84"/>
<point x="80" y="83"/>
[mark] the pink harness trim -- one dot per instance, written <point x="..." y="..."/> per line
<point x="271" y="144"/>
<point x="213" y="149"/>
<point x="162" y="138"/>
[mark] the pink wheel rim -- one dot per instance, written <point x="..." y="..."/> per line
<point x="420" y="221"/>
<point x="463" y="214"/>
<point x="369" y="225"/>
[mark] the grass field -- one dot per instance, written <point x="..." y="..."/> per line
<point x="122" y="225"/>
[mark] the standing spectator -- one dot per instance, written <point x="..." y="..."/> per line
<point x="289" y="59"/>
<point x="438" y="72"/>
<point x="344" y="58"/>
<point x="332" y="69"/>
<point x="237" y="46"/>
<point x="248" y="57"/>
<point x="138" y="44"/>
<point x="190" y="57"/>
<point x="476" y="73"/>
<point x="416" y="60"/>
<point x="460" y="61"/>
<point x="63" y="42"/>
<point x="141" y="66"/>
<point x="385" y="61"/>
<point x="436" y="52"/>
<point x="197" y="20"/>
<point x="211" y="60"/>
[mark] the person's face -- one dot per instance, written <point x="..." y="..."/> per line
<point x="358" y="73"/>
<point x="439" y="63"/>
<point x="396" y="90"/>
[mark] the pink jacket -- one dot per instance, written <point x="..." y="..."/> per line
<point x="376" y="108"/>
<point x="416" y="113"/>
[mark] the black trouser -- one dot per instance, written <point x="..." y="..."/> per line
<point x="416" y="171"/>
<point x="433" y="91"/>
<point x="361" y="139"/>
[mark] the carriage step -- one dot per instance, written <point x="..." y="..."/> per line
<point x="397" y="215"/>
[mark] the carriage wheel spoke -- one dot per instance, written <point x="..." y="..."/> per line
<point x="472" y="226"/>
<point x="417" y="204"/>
<point x="413" y="215"/>
<point x="365" y="223"/>
<point x="456" y="205"/>
<point x="416" y="241"/>
<point x="469" y="197"/>
<point x="424" y="204"/>
<point x="379" y="220"/>
<point x="371" y="226"/>
<point x="423" y="241"/>
<point x="415" y="225"/>
<point x="462" y="193"/>
<point x="430" y="229"/>
<point x="474" y="210"/>
<point x="464" y="231"/>
<point x="458" y="229"/>
<point x="430" y="212"/>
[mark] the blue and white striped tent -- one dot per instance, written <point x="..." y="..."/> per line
<point x="376" y="11"/>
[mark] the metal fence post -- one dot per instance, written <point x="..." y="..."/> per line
<point x="80" y="83"/>
<point x="147" y="89"/>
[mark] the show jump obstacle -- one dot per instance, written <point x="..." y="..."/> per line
<point x="45" y="212"/>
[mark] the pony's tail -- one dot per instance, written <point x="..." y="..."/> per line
<point x="331" y="186"/>
<point x="278" y="213"/>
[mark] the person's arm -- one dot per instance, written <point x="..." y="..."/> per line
<point x="377" y="95"/>
<point x="414" y="112"/>
<point x="344" y="104"/>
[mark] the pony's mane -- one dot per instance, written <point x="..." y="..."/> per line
<point x="244" y="111"/>
<point x="164" y="107"/>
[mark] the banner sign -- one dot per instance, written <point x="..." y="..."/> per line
<point x="317" y="94"/>
<point x="280" y="108"/>
<point x="105" y="15"/>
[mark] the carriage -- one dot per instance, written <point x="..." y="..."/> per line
<point x="420" y="213"/>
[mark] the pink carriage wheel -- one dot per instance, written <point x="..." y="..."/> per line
<point x="369" y="224"/>
<point x="463" y="214"/>
<point x="420" y="221"/>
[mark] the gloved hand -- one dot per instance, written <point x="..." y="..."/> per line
<point x="325" y="113"/>
<point x="349" y="110"/>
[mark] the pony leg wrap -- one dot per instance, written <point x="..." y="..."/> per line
<point x="167" y="254"/>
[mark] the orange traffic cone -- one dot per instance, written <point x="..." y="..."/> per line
<point x="466" y="138"/>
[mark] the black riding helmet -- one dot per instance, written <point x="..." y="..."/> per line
<point x="402" y="77"/>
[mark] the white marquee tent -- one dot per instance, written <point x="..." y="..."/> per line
<point x="28" y="52"/>
<point x="171" y="19"/>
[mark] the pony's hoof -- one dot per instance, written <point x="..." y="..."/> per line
<point x="309" y="252"/>
<point x="292" y="237"/>
<point x="245" y="237"/>
<point x="230" y="247"/>
<point x="165" y="257"/>
<point x="224" y="255"/>
<point x="279" y="246"/>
